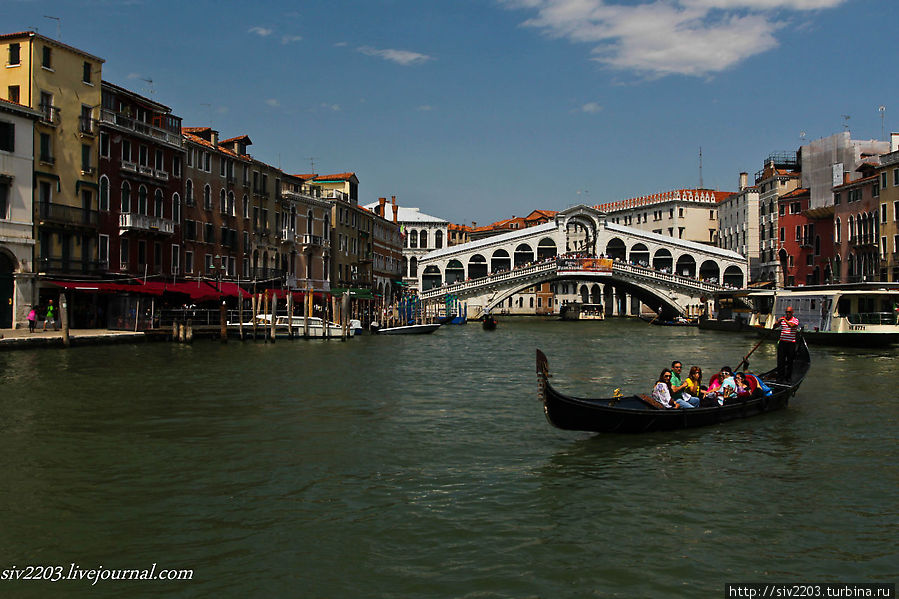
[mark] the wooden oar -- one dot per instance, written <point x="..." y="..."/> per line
<point x="746" y="357"/>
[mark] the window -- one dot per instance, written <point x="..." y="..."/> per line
<point x="798" y="233"/>
<point x="221" y="166"/>
<point x="176" y="259"/>
<point x="103" y="249"/>
<point x="176" y="208"/>
<point x="207" y="197"/>
<point x="123" y="253"/>
<point x="7" y="136"/>
<point x="223" y="204"/>
<point x="126" y="197"/>
<point x="103" y="199"/>
<point x="189" y="193"/>
<point x="207" y="158"/>
<point x="126" y="150"/>
<point x="837" y="231"/>
<point x="47" y="57"/>
<point x="190" y="156"/>
<point x="46" y="152"/>
<point x="104" y="145"/>
<point x="671" y="213"/>
<point x="883" y="180"/>
<point x="782" y="234"/>
<point x="160" y="160"/>
<point x="13" y="93"/>
<point x="208" y="263"/>
<point x="15" y="55"/>
<point x="85" y="158"/>
<point x="4" y="201"/>
<point x="896" y="210"/>
<point x="836" y="199"/>
<point x="188" y="261"/>
<point x="883" y="213"/>
<point x="896" y="177"/>
<point x="157" y="256"/>
<point x="176" y="166"/>
<point x="141" y="252"/>
<point x="246" y="206"/>
<point x="208" y="233"/>
<point x="142" y="200"/>
<point x="143" y="156"/>
<point x="86" y="72"/>
<point x="158" y="209"/>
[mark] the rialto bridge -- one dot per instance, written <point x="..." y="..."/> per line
<point x="622" y="265"/>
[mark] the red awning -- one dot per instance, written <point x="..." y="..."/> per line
<point x="103" y="287"/>
<point x="230" y="289"/>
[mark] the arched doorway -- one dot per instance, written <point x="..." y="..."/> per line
<point x="500" y="261"/>
<point x="477" y="267"/>
<point x="585" y="294"/>
<point x="431" y="278"/>
<point x="413" y="266"/>
<point x="455" y="272"/>
<point x="709" y="271"/>
<point x="523" y="255"/>
<point x="7" y="289"/>
<point x="686" y="266"/>
<point x="616" y="250"/>
<point x="662" y="260"/>
<point x="595" y="294"/>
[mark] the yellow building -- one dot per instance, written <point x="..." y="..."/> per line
<point x="63" y="83"/>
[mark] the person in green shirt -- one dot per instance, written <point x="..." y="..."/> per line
<point x="678" y="385"/>
<point x="50" y="316"/>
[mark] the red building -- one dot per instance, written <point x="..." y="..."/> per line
<point x="141" y="185"/>
<point x="805" y="240"/>
<point x="856" y="227"/>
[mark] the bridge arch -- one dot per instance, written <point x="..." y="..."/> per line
<point x="523" y="255"/>
<point x="431" y="277"/>
<point x="686" y="265"/>
<point x="710" y="271"/>
<point x="615" y="249"/>
<point x="500" y="261"/>
<point x="477" y="267"/>
<point x="546" y="248"/>
<point x="580" y="234"/>
<point x="454" y="272"/>
<point x="662" y="260"/>
<point x="733" y="276"/>
<point x="639" y="254"/>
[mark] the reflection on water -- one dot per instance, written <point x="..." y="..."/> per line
<point x="423" y="467"/>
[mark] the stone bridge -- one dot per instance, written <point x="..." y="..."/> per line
<point x="664" y="273"/>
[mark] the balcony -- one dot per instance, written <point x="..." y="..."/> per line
<point x="129" y="166"/>
<point x="145" y="170"/>
<point x="49" y="115"/>
<point x="311" y="240"/>
<point x="123" y="121"/>
<point x="71" y="266"/>
<point x="142" y="222"/>
<point x="287" y="235"/>
<point x="88" y="170"/>
<point x="863" y="240"/>
<point x="66" y="215"/>
<point x="266" y="273"/>
<point x="86" y="126"/>
<point x="161" y="175"/>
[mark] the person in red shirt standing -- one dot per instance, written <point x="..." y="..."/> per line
<point x="786" y="347"/>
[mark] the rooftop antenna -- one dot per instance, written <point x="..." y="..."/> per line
<point x="149" y="83"/>
<point x="312" y="160"/>
<point x="846" y="118"/>
<point x="882" y="110"/>
<point x="58" y="25"/>
<point x="701" y="186"/>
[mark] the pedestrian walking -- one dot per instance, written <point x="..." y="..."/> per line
<point x="32" y="319"/>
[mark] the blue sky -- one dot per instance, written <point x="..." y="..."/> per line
<point x="481" y="110"/>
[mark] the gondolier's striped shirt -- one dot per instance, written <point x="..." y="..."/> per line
<point x="788" y="333"/>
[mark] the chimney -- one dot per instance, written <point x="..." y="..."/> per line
<point x="214" y="137"/>
<point x="381" y="202"/>
<point x="393" y="202"/>
<point x="744" y="179"/>
<point x="846" y="175"/>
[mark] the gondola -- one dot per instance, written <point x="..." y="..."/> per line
<point x="638" y="414"/>
<point x="489" y="322"/>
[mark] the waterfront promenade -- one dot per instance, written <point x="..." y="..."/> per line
<point x="22" y="339"/>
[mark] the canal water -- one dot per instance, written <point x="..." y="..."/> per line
<point x="424" y="467"/>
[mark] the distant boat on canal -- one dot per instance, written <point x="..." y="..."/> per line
<point x="579" y="311"/>
<point x="283" y="327"/>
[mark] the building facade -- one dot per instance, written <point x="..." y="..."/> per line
<point x="141" y="159"/>
<point x="889" y="216"/>
<point x="738" y="224"/>
<point x="856" y="222"/>
<point x="779" y="176"/>
<point x="17" y="277"/>
<point x="63" y="84"/>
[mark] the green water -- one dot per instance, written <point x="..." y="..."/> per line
<point x="423" y="467"/>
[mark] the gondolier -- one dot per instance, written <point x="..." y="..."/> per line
<point x="786" y="346"/>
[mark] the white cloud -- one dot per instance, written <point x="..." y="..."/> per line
<point x="332" y="107"/>
<point x="340" y="44"/>
<point x="401" y="57"/>
<point x="591" y="108"/>
<point x="425" y="108"/>
<point x="666" y="37"/>
<point x="260" y="31"/>
<point x="273" y="102"/>
<point x="289" y="39"/>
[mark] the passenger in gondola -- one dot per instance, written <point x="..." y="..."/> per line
<point x="662" y="392"/>
<point x="743" y="390"/>
<point x="693" y="391"/>
<point x="679" y="387"/>
<point x="722" y="386"/>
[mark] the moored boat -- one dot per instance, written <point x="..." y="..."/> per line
<point x="579" y="311"/>
<point x="283" y="327"/>
<point x="410" y="329"/>
<point x="639" y="414"/>
<point x="845" y="315"/>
